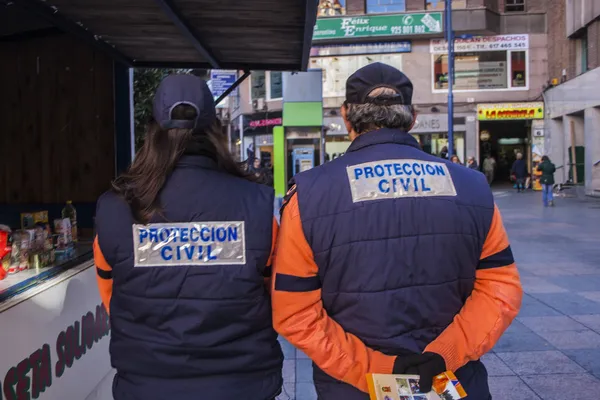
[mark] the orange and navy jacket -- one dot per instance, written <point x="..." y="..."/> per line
<point x="182" y="318"/>
<point x="358" y="283"/>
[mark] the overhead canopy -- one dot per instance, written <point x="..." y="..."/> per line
<point x="217" y="34"/>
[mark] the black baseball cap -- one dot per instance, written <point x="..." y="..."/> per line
<point x="374" y="76"/>
<point x="191" y="90"/>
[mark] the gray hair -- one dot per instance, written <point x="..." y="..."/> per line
<point x="368" y="117"/>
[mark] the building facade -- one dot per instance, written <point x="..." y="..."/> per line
<point x="572" y="124"/>
<point x="501" y="69"/>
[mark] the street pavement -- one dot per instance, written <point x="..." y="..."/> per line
<point x="552" y="350"/>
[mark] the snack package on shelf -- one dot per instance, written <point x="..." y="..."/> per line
<point x="406" y="387"/>
<point x="27" y="238"/>
<point x="5" y="251"/>
<point x="62" y="228"/>
<point x="30" y="219"/>
<point x="15" y="255"/>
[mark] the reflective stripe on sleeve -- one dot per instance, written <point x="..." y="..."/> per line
<point x="291" y="283"/>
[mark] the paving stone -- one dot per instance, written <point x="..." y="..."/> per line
<point x="305" y="391"/>
<point x="300" y="354"/>
<point x="289" y="351"/>
<point x="551" y="324"/>
<point x="591" y="321"/>
<point x="517" y="327"/>
<point x="569" y="303"/>
<point x="510" y="388"/>
<point x="288" y="392"/>
<point x="531" y="307"/>
<point x="304" y="371"/>
<point x="571" y="340"/>
<point x="550" y="271"/>
<point x="540" y="285"/>
<point x="594" y="296"/>
<point x="578" y="283"/>
<point x="587" y="358"/>
<point x="495" y="366"/>
<point x="563" y="386"/>
<point x="540" y="363"/>
<point x="511" y="342"/>
<point x="289" y="370"/>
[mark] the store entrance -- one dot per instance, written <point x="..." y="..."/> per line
<point x="503" y="140"/>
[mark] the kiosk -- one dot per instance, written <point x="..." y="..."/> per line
<point x="66" y="112"/>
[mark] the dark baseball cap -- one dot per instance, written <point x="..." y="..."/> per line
<point x="374" y="76"/>
<point x="191" y="90"/>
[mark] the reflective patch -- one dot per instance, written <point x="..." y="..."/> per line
<point x="390" y="179"/>
<point x="189" y="243"/>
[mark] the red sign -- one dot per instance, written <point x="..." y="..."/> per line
<point x="266" y="122"/>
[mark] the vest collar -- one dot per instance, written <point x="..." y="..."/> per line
<point x="197" y="162"/>
<point x="382" y="136"/>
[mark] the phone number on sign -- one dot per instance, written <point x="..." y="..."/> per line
<point x="442" y="48"/>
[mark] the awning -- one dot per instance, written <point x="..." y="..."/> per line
<point x="223" y="34"/>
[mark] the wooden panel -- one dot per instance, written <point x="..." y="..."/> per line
<point x="261" y="31"/>
<point x="58" y="108"/>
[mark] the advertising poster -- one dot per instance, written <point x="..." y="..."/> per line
<point x="378" y="25"/>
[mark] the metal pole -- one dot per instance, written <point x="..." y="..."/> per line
<point x="241" y="127"/>
<point x="450" y="40"/>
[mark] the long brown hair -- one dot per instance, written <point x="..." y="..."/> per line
<point x="141" y="184"/>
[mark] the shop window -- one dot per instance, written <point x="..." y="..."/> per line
<point x="275" y="85"/>
<point x="487" y="70"/>
<point x="336" y="70"/>
<point x="584" y="53"/>
<point x="385" y="6"/>
<point x="441" y="4"/>
<point x="258" y="88"/>
<point x="473" y="71"/>
<point x="330" y="8"/>
<point x="514" y="6"/>
<point x="436" y="143"/>
<point x="518" y="67"/>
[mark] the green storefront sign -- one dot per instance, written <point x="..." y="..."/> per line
<point x="378" y="25"/>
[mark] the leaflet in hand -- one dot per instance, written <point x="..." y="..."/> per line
<point x="406" y="387"/>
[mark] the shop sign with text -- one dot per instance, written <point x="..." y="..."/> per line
<point x="55" y="343"/>
<point x="404" y="46"/>
<point x="482" y="43"/>
<point x="378" y="25"/>
<point x="510" y="111"/>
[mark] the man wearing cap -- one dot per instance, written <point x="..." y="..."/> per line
<point x="390" y="260"/>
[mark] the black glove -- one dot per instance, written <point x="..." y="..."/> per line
<point x="426" y="365"/>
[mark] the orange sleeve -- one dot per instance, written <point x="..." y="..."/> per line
<point x="103" y="275"/>
<point x="298" y="313"/>
<point x="491" y="308"/>
<point x="269" y="267"/>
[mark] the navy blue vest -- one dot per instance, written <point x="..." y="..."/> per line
<point x="193" y="332"/>
<point x="395" y="272"/>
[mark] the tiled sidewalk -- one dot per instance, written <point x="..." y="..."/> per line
<point x="552" y="350"/>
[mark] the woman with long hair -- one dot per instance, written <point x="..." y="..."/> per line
<point x="183" y="248"/>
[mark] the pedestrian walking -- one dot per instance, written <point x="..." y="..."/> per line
<point x="444" y="153"/>
<point x="472" y="163"/>
<point x="489" y="168"/>
<point x="455" y="159"/>
<point x="547" y="168"/>
<point x="183" y="246"/>
<point x="389" y="259"/>
<point x="519" y="171"/>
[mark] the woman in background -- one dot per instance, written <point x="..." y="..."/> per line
<point x="547" y="168"/>
<point x="519" y="171"/>
<point x="472" y="163"/>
